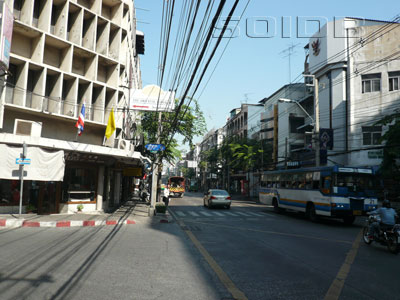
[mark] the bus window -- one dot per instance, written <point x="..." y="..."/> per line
<point x="309" y="180"/>
<point x="326" y="184"/>
<point x="291" y="181"/>
<point x="277" y="181"/>
<point x="283" y="180"/>
<point x="316" y="179"/>
<point x="302" y="180"/>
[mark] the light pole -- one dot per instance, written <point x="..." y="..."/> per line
<point x="315" y="122"/>
<point x="285" y="100"/>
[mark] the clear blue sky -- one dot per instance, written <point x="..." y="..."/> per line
<point x="252" y="68"/>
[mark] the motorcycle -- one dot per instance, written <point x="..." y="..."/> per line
<point x="388" y="236"/>
<point x="145" y="195"/>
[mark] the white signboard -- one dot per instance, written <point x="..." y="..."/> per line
<point x="152" y="98"/>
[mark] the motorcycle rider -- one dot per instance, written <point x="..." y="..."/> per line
<point x="388" y="218"/>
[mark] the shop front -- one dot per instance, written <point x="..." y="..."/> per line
<point x="79" y="188"/>
<point x="41" y="190"/>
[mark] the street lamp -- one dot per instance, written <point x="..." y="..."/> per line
<point x="285" y="100"/>
<point x="314" y="123"/>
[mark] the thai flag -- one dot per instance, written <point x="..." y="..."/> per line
<point x="81" y="120"/>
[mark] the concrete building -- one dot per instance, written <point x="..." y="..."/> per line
<point x="210" y="175"/>
<point x="65" y="53"/>
<point x="357" y="64"/>
<point x="284" y="124"/>
<point x="244" y="122"/>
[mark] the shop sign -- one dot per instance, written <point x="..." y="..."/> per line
<point x="134" y="172"/>
<point x="155" y="147"/>
<point x="23" y="161"/>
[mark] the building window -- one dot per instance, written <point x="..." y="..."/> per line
<point x="394" y="79"/>
<point x="296" y="122"/>
<point x="371" y="83"/>
<point x="371" y="135"/>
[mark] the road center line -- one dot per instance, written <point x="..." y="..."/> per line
<point x="271" y="232"/>
<point x="337" y="285"/>
<point x="223" y="277"/>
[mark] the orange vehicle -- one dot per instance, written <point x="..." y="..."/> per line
<point x="176" y="186"/>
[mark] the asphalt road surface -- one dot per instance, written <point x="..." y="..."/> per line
<point x="246" y="252"/>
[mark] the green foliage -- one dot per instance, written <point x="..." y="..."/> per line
<point x="30" y="207"/>
<point x="79" y="207"/>
<point x="188" y="172"/>
<point x="237" y="154"/>
<point x="160" y="208"/>
<point x="191" y="123"/>
<point x="248" y="154"/>
<point x="391" y="152"/>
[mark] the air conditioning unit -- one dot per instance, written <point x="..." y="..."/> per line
<point x="27" y="128"/>
<point x="123" y="144"/>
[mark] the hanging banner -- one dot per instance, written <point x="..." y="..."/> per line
<point x="152" y="98"/>
<point x="40" y="164"/>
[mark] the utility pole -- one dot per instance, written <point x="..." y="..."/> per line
<point x="286" y="152"/>
<point x="275" y="141"/>
<point x="21" y="188"/>
<point x="154" y="177"/>
<point x="316" y="128"/>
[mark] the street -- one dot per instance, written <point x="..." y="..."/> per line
<point x="247" y="252"/>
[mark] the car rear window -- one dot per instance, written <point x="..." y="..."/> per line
<point x="220" y="193"/>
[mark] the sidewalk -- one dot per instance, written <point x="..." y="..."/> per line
<point x="132" y="212"/>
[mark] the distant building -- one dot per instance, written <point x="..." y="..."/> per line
<point x="244" y="122"/>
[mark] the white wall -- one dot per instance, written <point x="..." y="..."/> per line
<point x="368" y="108"/>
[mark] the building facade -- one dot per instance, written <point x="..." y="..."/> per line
<point x="357" y="64"/>
<point x="71" y="57"/>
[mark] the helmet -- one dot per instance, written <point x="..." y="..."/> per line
<point x="386" y="203"/>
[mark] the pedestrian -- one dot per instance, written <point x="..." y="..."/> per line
<point x="166" y="195"/>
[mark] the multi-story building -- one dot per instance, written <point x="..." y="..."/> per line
<point x="244" y="121"/>
<point x="66" y="54"/>
<point x="209" y="173"/>
<point x="358" y="67"/>
<point x="284" y="124"/>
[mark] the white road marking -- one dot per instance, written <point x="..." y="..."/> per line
<point x="180" y="213"/>
<point x="231" y="214"/>
<point x="242" y="213"/>
<point x="218" y="214"/>
<point x="193" y="214"/>
<point x="255" y="214"/>
<point x="205" y="214"/>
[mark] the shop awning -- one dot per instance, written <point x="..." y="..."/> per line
<point x="44" y="165"/>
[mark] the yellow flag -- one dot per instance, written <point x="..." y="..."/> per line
<point x="110" y="125"/>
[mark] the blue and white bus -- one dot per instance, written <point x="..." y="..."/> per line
<point x="338" y="192"/>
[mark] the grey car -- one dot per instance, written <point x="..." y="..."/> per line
<point x="215" y="197"/>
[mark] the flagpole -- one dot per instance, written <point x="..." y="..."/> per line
<point x="79" y="113"/>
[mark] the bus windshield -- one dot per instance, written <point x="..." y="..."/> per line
<point x="354" y="182"/>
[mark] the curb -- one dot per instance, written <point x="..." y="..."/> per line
<point x="13" y="223"/>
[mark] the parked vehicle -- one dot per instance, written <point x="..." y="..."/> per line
<point x="176" y="186"/>
<point x="333" y="191"/>
<point x="144" y="195"/>
<point x="388" y="235"/>
<point x="216" y="197"/>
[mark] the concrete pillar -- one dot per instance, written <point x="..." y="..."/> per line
<point x="100" y="189"/>
<point x="117" y="189"/>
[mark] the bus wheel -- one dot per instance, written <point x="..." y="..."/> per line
<point x="310" y="212"/>
<point x="348" y="220"/>
<point x="277" y="209"/>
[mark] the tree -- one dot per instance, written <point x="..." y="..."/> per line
<point x="191" y="123"/>
<point x="390" y="167"/>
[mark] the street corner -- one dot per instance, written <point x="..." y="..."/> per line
<point x="19" y="223"/>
